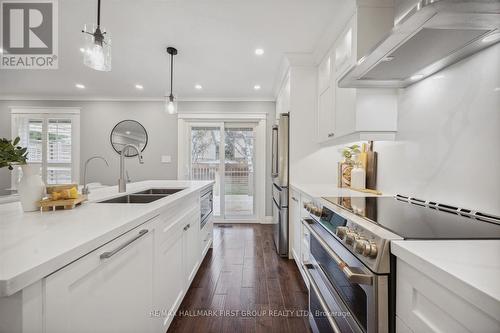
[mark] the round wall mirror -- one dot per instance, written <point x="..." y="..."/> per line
<point x="129" y="132"/>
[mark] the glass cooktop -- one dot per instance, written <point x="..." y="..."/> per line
<point x="415" y="220"/>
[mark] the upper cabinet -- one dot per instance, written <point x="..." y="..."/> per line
<point x="283" y="99"/>
<point x="347" y="114"/>
<point x="326" y="99"/>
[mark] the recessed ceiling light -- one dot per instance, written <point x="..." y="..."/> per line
<point x="259" y="51"/>
<point x="491" y="37"/>
<point x="496" y="89"/>
<point x="139" y="86"/>
<point x="82" y="49"/>
<point x="417" y="77"/>
<point x="80" y="86"/>
<point x="256" y="87"/>
<point x="198" y="87"/>
<point x="127" y="132"/>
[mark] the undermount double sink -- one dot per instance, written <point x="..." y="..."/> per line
<point x="143" y="197"/>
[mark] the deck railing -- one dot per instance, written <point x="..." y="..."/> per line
<point x="238" y="178"/>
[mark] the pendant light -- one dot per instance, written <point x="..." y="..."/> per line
<point x="97" y="50"/>
<point x="170" y="103"/>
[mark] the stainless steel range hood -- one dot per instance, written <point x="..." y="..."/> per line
<point x="428" y="35"/>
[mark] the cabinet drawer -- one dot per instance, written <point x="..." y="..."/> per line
<point x="206" y="237"/>
<point x="170" y="223"/>
<point x="107" y="290"/>
<point x="180" y="209"/>
<point x="425" y="305"/>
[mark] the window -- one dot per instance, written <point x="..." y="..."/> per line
<point x="52" y="137"/>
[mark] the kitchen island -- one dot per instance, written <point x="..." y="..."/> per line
<point x="102" y="266"/>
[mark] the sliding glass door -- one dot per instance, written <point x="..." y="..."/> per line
<point x="225" y="153"/>
<point x="206" y="158"/>
<point x="239" y="186"/>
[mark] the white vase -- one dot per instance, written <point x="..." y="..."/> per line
<point x="31" y="187"/>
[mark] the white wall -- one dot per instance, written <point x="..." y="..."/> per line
<point x="98" y="119"/>
<point x="447" y="146"/>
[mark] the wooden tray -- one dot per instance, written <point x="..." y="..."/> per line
<point x="48" y="204"/>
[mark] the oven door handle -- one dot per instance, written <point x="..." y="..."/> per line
<point x="322" y="301"/>
<point x="352" y="276"/>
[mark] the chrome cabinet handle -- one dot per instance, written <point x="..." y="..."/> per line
<point x="187" y="227"/>
<point x="352" y="276"/>
<point x="322" y="302"/>
<point x="330" y="135"/>
<point x="109" y="254"/>
<point x="295" y="199"/>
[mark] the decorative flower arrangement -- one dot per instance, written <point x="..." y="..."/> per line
<point x="11" y="154"/>
<point x="350" y="153"/>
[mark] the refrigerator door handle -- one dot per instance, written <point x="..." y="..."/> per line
<point x="274" y="152"/>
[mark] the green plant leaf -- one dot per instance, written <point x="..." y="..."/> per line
<point x="11" y="153"/>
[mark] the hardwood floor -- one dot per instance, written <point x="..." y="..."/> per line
<point x="244" y="286"/>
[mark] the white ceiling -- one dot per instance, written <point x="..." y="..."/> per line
<point x="216" y="40"/>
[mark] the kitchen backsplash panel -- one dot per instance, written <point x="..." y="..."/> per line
<point x="447" y="141"/>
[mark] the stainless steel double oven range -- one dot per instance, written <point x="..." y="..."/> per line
<point x="348" y="276"/>
<point x="350" y="269"/>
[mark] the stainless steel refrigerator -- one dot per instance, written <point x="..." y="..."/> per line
<point x="279" y="169"/>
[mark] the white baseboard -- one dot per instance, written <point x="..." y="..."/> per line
<point x="265" y="220"/>
<point x="230" y="221"/>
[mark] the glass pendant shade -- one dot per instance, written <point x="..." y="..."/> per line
<point x="170" y="105"/>
<point x="97" y="48"/>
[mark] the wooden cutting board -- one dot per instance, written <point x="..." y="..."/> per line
<point x="48" y="204"/>
<point x="371" y="168"/>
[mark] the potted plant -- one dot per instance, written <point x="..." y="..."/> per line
<point x="345" y="167"/>
<point x="31" y="186"/>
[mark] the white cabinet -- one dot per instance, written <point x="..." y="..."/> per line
<point x="206" y="237"/>
<point x="425" y="304"/>
<point x="295" y="231"/>
<point x="177" y="261"/>
<point x="326" y="115"/>
<point x="108" y="290"/>
<point x="191" y="244"/>
<point x="299" y="234"/>
<point x="304" y="235"/>
<point x="365" y="114"/>
<point x="326" y="99"/>
<point x="283" y="98"/>
<point x="370" y="23"/>
<point x="325" y="73"/>
<point x="347" y="114"/>
<point x="170" y="284"/>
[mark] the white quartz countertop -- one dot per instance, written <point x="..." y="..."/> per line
<point x="35" y="244"/>
<point x="471" y="268"/>
<point x="328" y="190"/>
